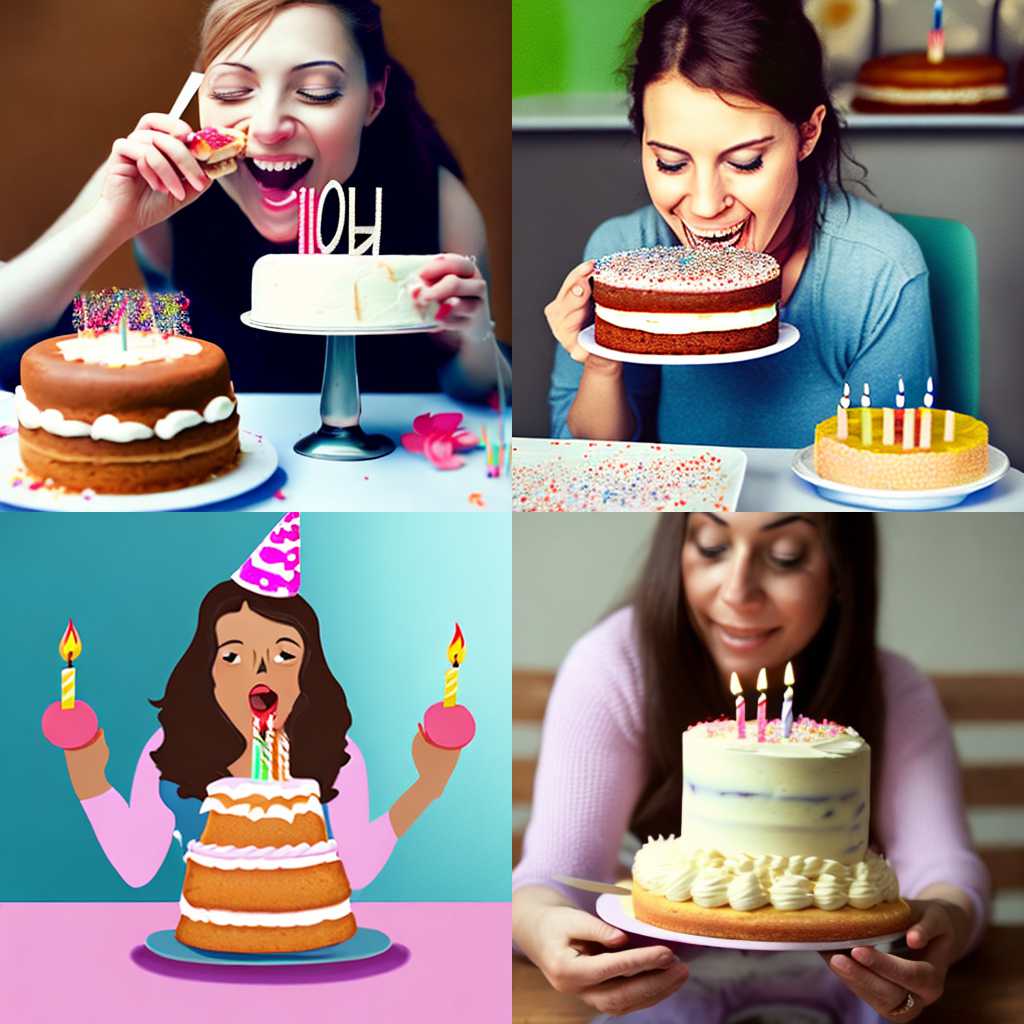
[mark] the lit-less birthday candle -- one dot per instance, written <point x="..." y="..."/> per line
<point x="741" y="706"/>
<point x="787" y="702"/>
<point x="447" y="723"/>
<point x="762" y="704"/>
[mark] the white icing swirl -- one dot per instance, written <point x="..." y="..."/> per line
<point x="791" y="892"/>
<point x="829" y="893"/>
<point x="711" y="888"/>
<point x="866" y="887"/>
<point x="746" y="892"/>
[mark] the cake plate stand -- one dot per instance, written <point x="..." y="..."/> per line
<point x="340" y="437"/>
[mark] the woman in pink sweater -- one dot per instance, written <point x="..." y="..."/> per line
<point x="722" y="594"/>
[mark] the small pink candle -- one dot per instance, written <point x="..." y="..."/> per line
<point x="741" y="706"/>
<point x="762" y="704"/>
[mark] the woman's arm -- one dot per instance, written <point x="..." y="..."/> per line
<point x="134" y="835"/>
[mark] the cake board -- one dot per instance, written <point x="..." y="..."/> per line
<point x="897" y="501"/>
<point x="788" y="337"/>
<point x="618" y="912"/>
<point x="366" y="943"/>
<point x="340" y="437"/>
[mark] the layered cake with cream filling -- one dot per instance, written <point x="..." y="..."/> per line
<point x="774" y="840"/>
<point x="333" y="291"/>
<point x="264" y="877"/>
<point x="910" y="83"/>
<point x="126" y="413"/>
<point x="672" y="300"/>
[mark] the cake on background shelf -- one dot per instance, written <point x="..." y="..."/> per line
<point x="131" y="403"/>
<point x="674" y="300"/>
<point x="774" y="836"/>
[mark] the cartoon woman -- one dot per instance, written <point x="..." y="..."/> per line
<point x="740" y="146"/>
<point x="322" y="99"/>
<point x="256" y="647"/>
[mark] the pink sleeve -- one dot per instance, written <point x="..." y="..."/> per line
<point x="921" y="817"/>
<point x="135" y="836"/>
<point x="363" y="845"/>
<point x="590" y="769"/>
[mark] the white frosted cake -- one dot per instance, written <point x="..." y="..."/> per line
<point x="770" y="828"/>
<point x="331" y="292"/>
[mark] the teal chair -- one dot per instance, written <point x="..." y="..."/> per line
<point x="952" y="258"/>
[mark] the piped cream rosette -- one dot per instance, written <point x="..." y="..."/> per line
<point x="666" y="867"/>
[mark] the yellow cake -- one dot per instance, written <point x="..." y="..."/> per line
<point x="892" y="467"/>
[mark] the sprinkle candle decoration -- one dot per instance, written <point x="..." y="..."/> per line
<point x="447" y="723"/>
<point x="937" y="36"/>
<point x="69" y="723"/>
<point x="805" y="730"/>
<point x="741" y="706"/>
<point x="762" y="705"/>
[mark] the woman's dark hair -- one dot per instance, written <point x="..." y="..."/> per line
<point x="838" y="674"/>
<point x="200" y="741"/>
<point x="763" y="50"/>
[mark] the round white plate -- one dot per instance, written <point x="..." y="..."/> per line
<point x="351" y="330"/>
<point x="907" y="501"/>
<point x="613" y="909"/>
<point x="788" y="337"/>
<point x="257" y="463"/>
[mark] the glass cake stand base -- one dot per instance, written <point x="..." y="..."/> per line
<point x="344" y="444"/>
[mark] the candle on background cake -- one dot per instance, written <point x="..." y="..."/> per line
<point x="762" y="704"/>
<point x="285" y="752"/>
<point x="908" y="430"/>
<point x="949" y="429"/>
<point x="937" y="36"/>
<point x="888" y="425"/>
<point x="842" y="420"/>
<point x="926" y="417"/>
<point x="901" y="401"/>
<point x="69" y="723"/>
<point x="256" y="758"/>
<point x="787" y="701"/>
<point x="447" y="723"/>
<point x="270" y="748"/>
<point x="741" y="706"/>
<point x="865" y="416"/>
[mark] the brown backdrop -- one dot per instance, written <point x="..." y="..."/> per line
<point x="74" y="76"/>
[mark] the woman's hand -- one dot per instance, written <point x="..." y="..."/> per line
<point x="568" y="946"/>
<point x="570" y="311"/>
<point x="884" y="981"/>
<point x="150" y="175"/>
<point x="434" y="764"/>
<point x="456" y="283"/>
<point x="87" y="767"/>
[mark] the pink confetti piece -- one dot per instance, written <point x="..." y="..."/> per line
<point x="438" y="438"/>
<point x="280" y="496"/>
<point x="476" y="499"/>
<point x="6" y="431"/>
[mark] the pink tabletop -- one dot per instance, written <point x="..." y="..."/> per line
<point x="88" y="962"/>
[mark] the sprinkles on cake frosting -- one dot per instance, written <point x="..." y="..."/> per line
<point x="704" y="269"/>
<point x="805" y="730"/>
<point x="102" y="311"/>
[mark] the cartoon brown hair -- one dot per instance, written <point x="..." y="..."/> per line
<point x="200" y="741"/>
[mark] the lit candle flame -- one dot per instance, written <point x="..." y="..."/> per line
<point x="457" y="648"/>
<point x="734" y="685"/>
<point x="762" y="680"/>
<point x="788" y="678"/>
<point x="70" y="643"/>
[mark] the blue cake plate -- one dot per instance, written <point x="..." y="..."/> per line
<point x="366" y="943"/>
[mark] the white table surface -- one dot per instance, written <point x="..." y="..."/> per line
<point x="771" y="486"/>
<point x="400" y="481"/>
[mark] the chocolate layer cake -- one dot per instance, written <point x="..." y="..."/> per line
<point x="679" y="301"/>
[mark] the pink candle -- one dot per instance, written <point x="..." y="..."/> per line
<point x="741" y="707"/>
<point x="762" y="704"/>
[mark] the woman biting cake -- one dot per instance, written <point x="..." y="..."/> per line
<point x="318" y="97"/>
<point x="740" y="149"/>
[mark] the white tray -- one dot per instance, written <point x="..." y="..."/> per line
<point x="256" y="465"/>
<point x="618" y="911"/>
<point x="348" y="330"/>
<point x="624" y="476"/>
<point x="906" y="501"/>
<point x="788" y="337"/>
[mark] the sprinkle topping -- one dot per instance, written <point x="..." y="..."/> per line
<point x="805" y="730"/>
<point x="704" y="269"/>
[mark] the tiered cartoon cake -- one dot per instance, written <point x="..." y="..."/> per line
<point x="264" y="877"/>
<point x="130" y="403"/>
<point x="774" y="842"/>
<point x="898" y="448"/>
<point x="671" y="300"/>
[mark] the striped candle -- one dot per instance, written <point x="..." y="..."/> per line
<point x="286" y="768"/>
<point x="270" y="747"/>
<point x="307" y="221"/>
<point x="67" y="688"/>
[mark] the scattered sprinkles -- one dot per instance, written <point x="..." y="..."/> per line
<point x="805" y="730"/>
<point x="280" y="495"/>
<point x="705" y="269"/>
<point x="101" y="311"/>
<point x="476" y="499"/>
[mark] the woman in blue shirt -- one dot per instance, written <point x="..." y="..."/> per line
<point x="741" y="144"/>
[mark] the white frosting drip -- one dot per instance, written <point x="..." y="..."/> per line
<point x="142" y="347"/>
<point x="240" y="788"/>
<point x="686" y="323"/>
<point x="965" y="94"/>
<point x="311" y="805"/>
<point x="668" y="868"/>
<point x="291" y="919"/>
<point x="262" y="858"/>
<point x="107" y="427"/>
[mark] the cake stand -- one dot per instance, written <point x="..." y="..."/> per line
<point x="340" y="437"/>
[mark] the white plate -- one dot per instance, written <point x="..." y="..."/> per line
<point x="788" y="337"/>
<point x="348" y="331"/>
<point x="618" y="912"/>
<point x="623" y="476"/>
<point x="257" y="463"/>
<point x="863" y="497"/>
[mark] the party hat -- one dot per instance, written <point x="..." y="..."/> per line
<point x="273" y="569"/>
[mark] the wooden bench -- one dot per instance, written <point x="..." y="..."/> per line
<point x="985" y="988"/>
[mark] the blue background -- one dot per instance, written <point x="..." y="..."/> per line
<point x="387" y="589"/>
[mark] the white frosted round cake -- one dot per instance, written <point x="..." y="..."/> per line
<point x="333" y="291"/>
<point x="264" y="878"/>
<point x="774" y="843"/>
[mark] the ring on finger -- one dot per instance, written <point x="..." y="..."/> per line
<point x="906" y="1006"/>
